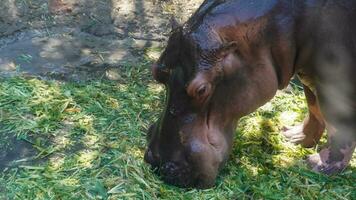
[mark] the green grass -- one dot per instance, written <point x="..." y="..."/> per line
<point x="90" y="139"/>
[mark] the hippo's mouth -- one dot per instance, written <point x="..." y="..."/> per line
<point x="185" y="179"/>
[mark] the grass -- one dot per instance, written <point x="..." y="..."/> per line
<point x="90" y="140"/>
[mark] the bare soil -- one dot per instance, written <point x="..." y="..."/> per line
<point x="76" y="39"/>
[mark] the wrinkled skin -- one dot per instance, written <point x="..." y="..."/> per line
<point x="230" y="58"/>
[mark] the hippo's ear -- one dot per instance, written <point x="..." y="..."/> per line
<point x="174" y="23"/>
<point x="230" y="61"/>
<point x="226" y="49"/>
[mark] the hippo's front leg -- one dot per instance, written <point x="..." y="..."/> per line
<point x="309" y="132"/>
<point x="336" y="156"/>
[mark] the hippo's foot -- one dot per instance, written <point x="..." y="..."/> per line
<point x="331" y="162"/>
<point x="294" y="134"/>
<point x="307" y="134"/>
<point x="300" y="135"/>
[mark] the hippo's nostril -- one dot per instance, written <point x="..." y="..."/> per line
<point x="176" y="174"/>
<point x="170" y="169"/>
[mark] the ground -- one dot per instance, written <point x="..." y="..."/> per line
<point x="77" y="98"/>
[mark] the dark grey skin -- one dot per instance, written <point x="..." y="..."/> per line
<point x="230" y="58"/>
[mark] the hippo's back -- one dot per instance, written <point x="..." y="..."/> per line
<point x="326" y="33"/>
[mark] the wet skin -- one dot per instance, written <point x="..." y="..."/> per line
<point x="230" y="58"/>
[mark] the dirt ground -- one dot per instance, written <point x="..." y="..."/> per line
<point x="79" y="40"/>
<point x="75" y="39"/>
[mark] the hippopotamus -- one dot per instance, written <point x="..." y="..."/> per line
<point x="230" y="58"/>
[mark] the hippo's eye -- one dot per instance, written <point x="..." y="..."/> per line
<point x="201" y="93"/>
<point x="201" y="90"/>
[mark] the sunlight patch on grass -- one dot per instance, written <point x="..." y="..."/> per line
<point x="253" y="170"/>
<point x="90" y="140"/>
<point x="113" y="103"/>
<point x="288" y="117"/>
<point x="85" y="122"/>
<point x="268" y="107"/>
<point x="283" y="160"/>
<point x="56" y="162"/>
<point x="62" y="141"/>
<point x="136" y="152"/>
<point x="122" y="87"/>
<point x="155" y="88"/>
<point x="70" y="182"/>
<point x="86" y="158"/>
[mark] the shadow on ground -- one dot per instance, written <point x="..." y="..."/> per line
<point x="16" y="152"/>
<point x="85" y="39"/>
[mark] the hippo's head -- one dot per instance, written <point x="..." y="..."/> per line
<point x="208" y="90"/>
